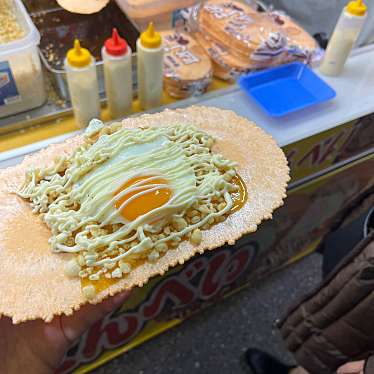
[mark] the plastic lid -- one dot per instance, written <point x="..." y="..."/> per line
<point x="357" y="8"/>
<point x="150" y="38"/>
<point x="77" y="56"/>
<point x="115" y="46"/>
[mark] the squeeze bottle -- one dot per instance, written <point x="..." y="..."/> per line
<point x="150" y="54"/>
<point x="116" y="55"/>
<point x="83" y="85"/>
<point x="343" y="38"/>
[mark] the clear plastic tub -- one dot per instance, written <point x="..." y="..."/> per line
<point x="164" y="13"/>
<point x="21" y="76"/>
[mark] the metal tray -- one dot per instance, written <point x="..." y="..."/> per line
<point x="58" y="29"/>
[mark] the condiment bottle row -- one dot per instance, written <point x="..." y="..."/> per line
<point x="82" y="79"/>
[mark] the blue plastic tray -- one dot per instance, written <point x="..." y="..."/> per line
<point x="285" y="89"/>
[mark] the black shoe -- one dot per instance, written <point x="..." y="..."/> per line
<point x="263" y="363"/>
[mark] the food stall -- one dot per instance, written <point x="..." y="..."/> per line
<point x="329" y="147"/>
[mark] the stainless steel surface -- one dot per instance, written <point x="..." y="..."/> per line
<point x="56" y="108"/>
<point x="61" y="85"/>
<point x="15" y="156"/>
<point x="47" y="112"/>
<point x="58" y="29"/>
<point x="60" y="81"/>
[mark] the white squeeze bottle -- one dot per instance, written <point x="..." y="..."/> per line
<point x="343" y="38"/>
<point x="118" y="75"/>
<point x="83" y="85"/>
<point x="150" y="54"/>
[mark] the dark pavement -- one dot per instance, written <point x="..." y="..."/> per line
<point x="214" y="340"/>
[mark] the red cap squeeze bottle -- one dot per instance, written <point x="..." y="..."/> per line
<point x="116" y="54"/>
<point x="116" y="46"/>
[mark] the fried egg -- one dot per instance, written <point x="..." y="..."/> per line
<point x="149" y="177"/>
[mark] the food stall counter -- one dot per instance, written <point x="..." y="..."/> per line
<point x="355" y="99"/>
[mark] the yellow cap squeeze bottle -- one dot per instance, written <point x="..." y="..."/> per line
<point x="343" y="38"/>
<point x="150" y="54"/>
<point x="83" y="84"/>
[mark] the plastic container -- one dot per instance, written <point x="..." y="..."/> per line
<point x="21" y="76"/>
<point x="164" y="13"/>
<point x="285" y="89"/>
<point x="343" y="38"/>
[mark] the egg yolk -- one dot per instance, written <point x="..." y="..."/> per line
<point x="147" y="201"/>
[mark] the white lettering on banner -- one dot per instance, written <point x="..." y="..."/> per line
<point x="176" y="292"/>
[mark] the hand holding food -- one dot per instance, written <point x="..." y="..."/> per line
<point x="38" y="347"/>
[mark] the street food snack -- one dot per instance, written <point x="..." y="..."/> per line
<point x="83" y="7"/>
<point x="108" y="210"/>
<point x="300" y="44"/>
<point x="187" y="68"/>
<point x="238" y="38"/>
<point x="226" y="65"/>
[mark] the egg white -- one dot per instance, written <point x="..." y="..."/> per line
<point x="101" y="183"/>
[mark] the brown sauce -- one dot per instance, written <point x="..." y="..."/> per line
<point x="240" y="197"/>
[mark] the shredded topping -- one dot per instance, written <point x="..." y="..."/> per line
<point x="130" y="195"/>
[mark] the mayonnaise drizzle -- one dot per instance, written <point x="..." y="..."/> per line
<point x="76" y="195"/>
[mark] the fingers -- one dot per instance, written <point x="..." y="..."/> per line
<point x="75" y="325"/>
<point x="352" y="368"/>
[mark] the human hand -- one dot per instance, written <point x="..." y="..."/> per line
<point x="352" y="368"/>
<point x="38" y="347"/>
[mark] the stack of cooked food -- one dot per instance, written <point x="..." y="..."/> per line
<point x="187" y="68"/>
<point x="239" y="39"/>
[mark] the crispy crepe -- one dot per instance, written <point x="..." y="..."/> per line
<point x="32" y="280"/>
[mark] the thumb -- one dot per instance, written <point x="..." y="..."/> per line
<point x="75" y="325"/>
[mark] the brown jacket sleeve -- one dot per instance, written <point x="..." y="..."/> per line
<point x="334" y="324"/>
